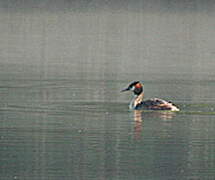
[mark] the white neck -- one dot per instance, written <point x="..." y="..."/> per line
<point x="136" y="100"/>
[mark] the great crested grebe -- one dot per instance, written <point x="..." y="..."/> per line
<point x="151" y="104"/>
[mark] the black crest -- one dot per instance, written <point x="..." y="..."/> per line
<point x="133" y="84"/>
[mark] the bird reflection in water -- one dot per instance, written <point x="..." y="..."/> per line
<point x="138" y="124"/>
<point x="139" y="116"/>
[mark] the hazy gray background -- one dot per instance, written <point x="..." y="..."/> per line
<point x="42" y="39"/>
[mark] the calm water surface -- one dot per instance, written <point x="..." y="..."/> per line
<point x="62" y="115"/>
<point x="51" y="130"/>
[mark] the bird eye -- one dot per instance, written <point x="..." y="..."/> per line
<point x="133" y="88"/>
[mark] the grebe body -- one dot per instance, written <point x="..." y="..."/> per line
<point x="151" y="104"/>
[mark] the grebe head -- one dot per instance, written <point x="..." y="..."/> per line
<point x="135" y="86"/>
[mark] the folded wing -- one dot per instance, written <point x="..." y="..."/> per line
<point x="158" y="104"/>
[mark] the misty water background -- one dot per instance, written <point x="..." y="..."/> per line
<point x="62" y="66"/>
